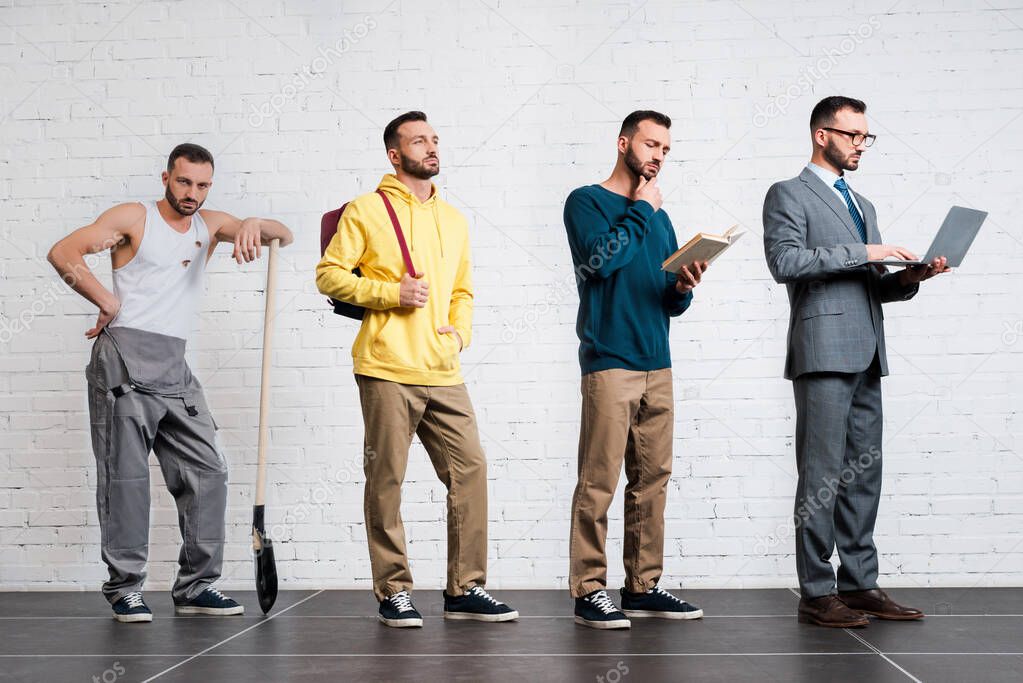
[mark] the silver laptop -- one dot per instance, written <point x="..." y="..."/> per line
<point x="952" y="241"/>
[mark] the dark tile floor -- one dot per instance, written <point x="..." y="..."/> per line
<point x="747" y="635"/>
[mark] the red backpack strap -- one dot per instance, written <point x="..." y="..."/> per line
<point x="406" y="257"/>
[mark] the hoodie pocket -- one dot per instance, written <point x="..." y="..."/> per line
<point x="402" y="342"/>
<point x="447" y="358"/>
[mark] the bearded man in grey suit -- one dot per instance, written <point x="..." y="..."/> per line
<point x="819" y="237"/>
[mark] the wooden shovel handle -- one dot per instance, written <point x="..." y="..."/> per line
<point x="264" y="380"/>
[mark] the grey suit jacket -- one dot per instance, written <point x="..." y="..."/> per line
<point x="835" y="297"/>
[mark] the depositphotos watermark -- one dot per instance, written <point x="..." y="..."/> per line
<point x="564" y="287"/>
<point x="817" y="71"/>
<point x="22" y="322"/>
<point x="311" y="71"/>
<point x="1011" y="332"/>
<point x="110" y="675"/>
<point x="324" y="493"/>
<point x="823" y="496"/>
<point x="614" y="675"/>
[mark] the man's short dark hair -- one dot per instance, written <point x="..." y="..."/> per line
<point x="391" y="137"/>
<point x="823" y="114"/>
<point x="632" y="121"/>
<point x="197" y="154"/>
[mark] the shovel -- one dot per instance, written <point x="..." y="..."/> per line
<point x="262" y="546"/>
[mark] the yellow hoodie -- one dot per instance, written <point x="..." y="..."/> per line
<point x="402" y="344"/>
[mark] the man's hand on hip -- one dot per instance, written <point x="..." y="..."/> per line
<point x="107" y="312"/>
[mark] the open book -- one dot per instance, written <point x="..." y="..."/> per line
<point x="703" y="247"/>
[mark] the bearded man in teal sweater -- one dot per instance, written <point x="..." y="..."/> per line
<point x="619" y="236"/>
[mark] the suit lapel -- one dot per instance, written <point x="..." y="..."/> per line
<point x="826" y="195"/>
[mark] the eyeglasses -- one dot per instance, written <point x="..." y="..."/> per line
<point x="858" y="139"/>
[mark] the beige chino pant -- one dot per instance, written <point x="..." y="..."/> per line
<point x="626" y="416"/>
<point x="446" y="424"/>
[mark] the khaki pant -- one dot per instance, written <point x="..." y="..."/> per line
<point x="446" y="424"/>
<point x="626" y="415"/>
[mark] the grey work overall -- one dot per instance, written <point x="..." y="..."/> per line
<point x="142" y="398"/>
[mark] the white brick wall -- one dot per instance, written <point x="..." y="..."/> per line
<point x="292" y="96"/>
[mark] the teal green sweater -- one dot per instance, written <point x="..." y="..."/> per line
<point x="625" y="299"/>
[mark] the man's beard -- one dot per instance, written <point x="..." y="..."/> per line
<point x="419" y="169"/>
<point x="176" y="205"/>
<point x="839" y="161"/>
<point x="636" y="166"/>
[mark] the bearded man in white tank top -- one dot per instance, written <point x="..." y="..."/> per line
<point x="142" y="395"/>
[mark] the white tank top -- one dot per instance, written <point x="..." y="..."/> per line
<point x="159" y="288"/>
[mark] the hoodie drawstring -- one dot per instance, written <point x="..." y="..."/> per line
<point x="436" y="226"/>
<point x="396" y="189"/>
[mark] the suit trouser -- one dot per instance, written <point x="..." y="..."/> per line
<point x="446" y="424"/>
<point x="626" y="416"/>
<point x="124" y="430"/>
<point x="838" y="456"/>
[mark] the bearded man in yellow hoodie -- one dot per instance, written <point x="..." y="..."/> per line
<point x="406" y="362"/>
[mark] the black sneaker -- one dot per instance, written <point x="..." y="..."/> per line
<point x="210" y="601"/>
<point x="597" y="611"/>
<point x="477" y="604"/>
<point x="132" y="608"/>
<point x="397" y="611"/>
<point x="658" y="603"/>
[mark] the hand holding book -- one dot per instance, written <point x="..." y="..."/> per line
<point x="690" y="276"/>
<point x="702" y="249"/>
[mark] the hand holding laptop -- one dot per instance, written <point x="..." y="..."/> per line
<point x="887" y="252"/>
<point x="947" y="250"/>
<point x="913" y="271"/>
<point x="950" y="244"/>
<point x="914" y="274"/>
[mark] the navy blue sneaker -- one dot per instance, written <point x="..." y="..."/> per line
<point x="478" y="605"/>
<point x="658" y="603"/>
<point x="210" y="601"/>
<point x="132" y="608"/>
<point x="596" y="610"/>
<point x="397" y="611"/>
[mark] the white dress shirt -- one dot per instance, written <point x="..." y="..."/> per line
<point x="829" y="179"/>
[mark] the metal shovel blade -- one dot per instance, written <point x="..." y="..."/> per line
<point x="266" y="566"/>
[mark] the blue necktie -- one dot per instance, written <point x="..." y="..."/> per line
<point x="857" y="218"/>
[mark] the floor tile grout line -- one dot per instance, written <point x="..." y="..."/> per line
<point x="464" y="654"/>
<point x="881" y="654"/>
<point x="242" y="632"/>
<point x="620" y="654"/>
<point x="522" y="616"/>
<point x="867" y="644"/>
<point x="529" y="654"/>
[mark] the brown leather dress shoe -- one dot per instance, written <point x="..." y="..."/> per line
<point x="828" y="610"/>
<point x="877" y="603"/>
